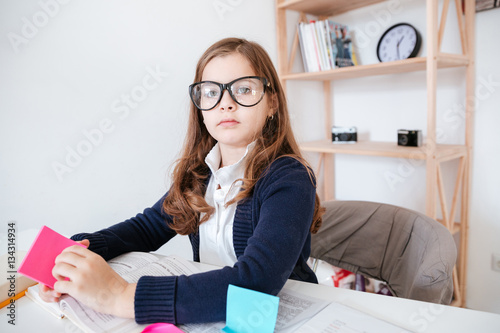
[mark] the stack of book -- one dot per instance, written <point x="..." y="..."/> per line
<point x="325" y="45"/>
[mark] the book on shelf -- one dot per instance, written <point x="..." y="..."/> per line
<point x="303" y="48"/>
<point x="325" y="45"/>
<point x="354" y="48"/>
<point x="308" y="44"/>
<point x="341" y="37"/>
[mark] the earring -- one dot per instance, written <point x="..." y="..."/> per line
<point x="272" y="117"/>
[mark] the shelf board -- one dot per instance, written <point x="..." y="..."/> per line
<point x="444" y="60"/>
<point x="325" y="7"/>
<point x="385" y="149"/>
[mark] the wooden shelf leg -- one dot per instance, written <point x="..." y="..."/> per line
<point x="458" y="184"/>
<point x="432" y="52"/>
<point x="461" y="28"/>
<point x="442" y="198"/>
<point x="442" y="22"/>
<point x="469" y="35"/>
<point x="282" y="42"/>
<point x="329" y="176"/>
<point x="457" y="290"/>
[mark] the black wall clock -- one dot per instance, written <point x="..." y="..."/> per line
<point x="401" y="41"/>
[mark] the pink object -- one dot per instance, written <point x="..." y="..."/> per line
<point x="41" y="257"/>
<point x="161" y="328"/>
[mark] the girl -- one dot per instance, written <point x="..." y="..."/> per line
<point x="240" y="190"/>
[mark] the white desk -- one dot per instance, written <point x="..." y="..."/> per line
<point x="412" y="315"/>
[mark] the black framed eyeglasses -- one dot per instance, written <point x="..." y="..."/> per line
<point x="246" y="91"/>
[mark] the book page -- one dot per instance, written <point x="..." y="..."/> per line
<point x="131" y="261"/>
<point x="93" y="321"/>
<point x="203" y="328"/>
<point x="295" y="308"/>
<point x="165" y="266"/>
<point x="339" y="318"/>
<point x="52" y="308"/>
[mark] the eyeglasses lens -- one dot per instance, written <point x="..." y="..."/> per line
<point x="208" y="95"/>
<point x="244" y="91"/>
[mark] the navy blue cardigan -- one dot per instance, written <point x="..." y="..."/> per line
<point x="271" y="240"/>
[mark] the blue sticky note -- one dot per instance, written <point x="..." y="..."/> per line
<point x="250" y="311"/>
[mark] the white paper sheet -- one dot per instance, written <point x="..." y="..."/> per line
<point x="339" y="318"/>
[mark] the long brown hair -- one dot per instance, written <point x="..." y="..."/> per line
<point x="186" y="199"/>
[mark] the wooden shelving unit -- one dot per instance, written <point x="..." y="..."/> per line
<point x="432" y="153"/>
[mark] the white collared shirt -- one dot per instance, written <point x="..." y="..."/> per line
<point x="216" y="234"/>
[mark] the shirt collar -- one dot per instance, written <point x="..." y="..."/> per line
<point x="225" y="176"/>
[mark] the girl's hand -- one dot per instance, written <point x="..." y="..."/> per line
<point x="48" y="294"/>
<point x="93" y="282"/>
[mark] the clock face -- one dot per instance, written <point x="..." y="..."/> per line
<point x="400" y="41"/>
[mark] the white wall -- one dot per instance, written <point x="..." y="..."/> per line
<point x="66" y="69"/>
<point x="379" y="106"/>
<point x="484" y="284"/>
<point x="70" y="74"/>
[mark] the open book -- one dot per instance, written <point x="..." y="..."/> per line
<point x="131" y="266"/>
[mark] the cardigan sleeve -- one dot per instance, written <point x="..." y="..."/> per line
<point x="145" y="232"/>
<point x="283" y="204"/>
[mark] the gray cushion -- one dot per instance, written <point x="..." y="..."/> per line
<point x="413" y="253"/>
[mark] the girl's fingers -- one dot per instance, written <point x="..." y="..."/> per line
<point x="62" y="270"/>
<point x="84" y="242"/>
<point x="44" y="288"/>
<point x="72" y="256"/>
<point x="81" y="251"/>
<point x="48" y="294"/>
<point x="65" y="268"/>
<point x="72" y="267"/>
<point x="50" y="291"/>
<point x="63" y="286"/>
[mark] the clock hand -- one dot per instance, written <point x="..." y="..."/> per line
<point x="399" y="42"/>
<point x="397" y="46"/>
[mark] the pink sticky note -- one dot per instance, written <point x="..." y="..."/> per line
<point x="41" y="257"/>
<point x="161" y="328"/>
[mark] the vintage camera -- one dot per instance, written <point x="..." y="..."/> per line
<point x="409" y="138"/>
<point x="344" y="134"/>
